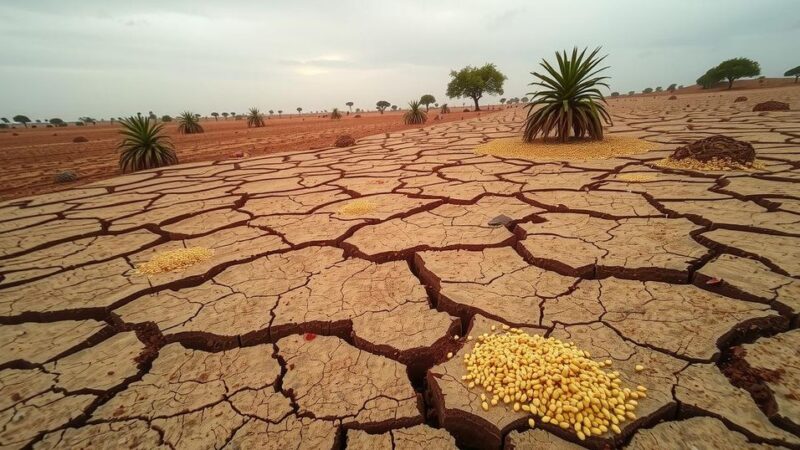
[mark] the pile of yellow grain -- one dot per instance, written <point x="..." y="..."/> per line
<point x="357" y="208"/>
<point x="636" y="177"/>
<point x="575" y="149"/>
<point x="712" y="165"/>
<point x="173" y="260"/>
<point x="552" y="380"/>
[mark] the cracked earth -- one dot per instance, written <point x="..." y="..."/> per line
<point x="315" y="325"/>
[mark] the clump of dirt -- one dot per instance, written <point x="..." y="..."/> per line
<point x="65" y="176"/>
<point x="672" y="97"/>
<point x="771" y="106"/>
<point x="740" y="98"/>
<point x="344" y="140"/>
<point x="717" y="147"/>
<point x="79" y="139"/>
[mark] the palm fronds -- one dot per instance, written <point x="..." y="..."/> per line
<point x="255" y="118"/>
<point x="571" y="103"/>
<point x="415" y="115"/>
<point x="446" y="109"/>
<point x="188" y="123"/>
<point x="144" y="145"/>
<point x="335" y="114"/>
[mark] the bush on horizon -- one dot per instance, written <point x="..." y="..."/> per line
<point x="793" y="73"/>
<point x="426" y="100"/>
<point x="381" y="105"/>
<point x="571" y="103"/>
<point x="335" y="114"/>
<point x="189" y="123"/>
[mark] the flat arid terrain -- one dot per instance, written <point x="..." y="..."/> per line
<point x="338" y="292"/>
<point x="33" y="156"/>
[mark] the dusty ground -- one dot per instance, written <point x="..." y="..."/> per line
<point x="32" y="156"/>
<point x="316" y="328"/>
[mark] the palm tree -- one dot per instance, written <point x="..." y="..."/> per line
<point x="215" y="115"/>
<point x="335" y="114"/>
<point x="571" y="101"/>
<point x="144" y="145"/>
<point x="188" y="123"/>
<point x="350" y="106"/>
<point x="299" y="109"/>
<point x="255" y="118"/>
<point x="415" y="115"/>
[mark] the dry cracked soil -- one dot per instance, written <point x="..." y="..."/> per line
<point x="320" y="323"/>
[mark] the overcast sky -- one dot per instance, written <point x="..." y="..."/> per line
<point x="106" y="57"/>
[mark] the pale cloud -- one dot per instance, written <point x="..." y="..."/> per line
<point x="109" y="57"/>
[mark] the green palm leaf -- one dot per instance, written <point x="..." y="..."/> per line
<point x="255" y="118"/>
<point x="144" y="145"/>
<point x="570" y="104"/>
<point x="415" y="115"/>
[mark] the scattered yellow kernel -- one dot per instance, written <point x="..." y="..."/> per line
<point x="485" y="406"/>
<point x="173" y="260"/>
<point x="636" y="177"/>
<point x="575" y="149"/>
<point x="639" y="367"/>
<point x="449" y="355"/>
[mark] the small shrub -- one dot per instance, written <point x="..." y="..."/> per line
<point x="344" y="140"/>
<point x="415" y="115"/>
<point x="465" y="110"/>
<point x="255" y="118"/>
<point x="79" y="139"/>
<point x="335" y="114"/>
<point x="65" y="176"/>
<point x="357" y="116"/>
<point x="188" y="123"/>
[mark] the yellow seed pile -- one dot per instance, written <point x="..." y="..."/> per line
<point x="175" y="260"/>
<point x="357" y="208"/>
<point x="550" y="379"/>
<point x="713" y="165"/>
<point x="636" y="177"/>
<point x="572" y="150"/>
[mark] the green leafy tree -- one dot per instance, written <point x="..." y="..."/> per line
<point x="255" y="119"/>
<point x="647" y="90"/>
<point x="793" y="73"/>
<point x="502" y="100"/>
<point x="615" y="94"/>
<point x="299" y="110"/>
<point x="394" y="107"/>
<point x="271" y="112"/>
<point x="5" y="120"/>
<point x="56" y="122"/>
<point x="415" y="115"/>
<point x="382" y="105"/>
<point x="280" y="111"/>
<point x="474" y="82"/>
<point x="733" y="69"/>
<point x="225" y="115"/>
<point x="144" y="145"/>
<point x="335" y="114"/>
<point x="659" y="89"/>
<point x="350" y="106"/>
<point x="524" y="99"/>
<point x="215" y="115"/>
<point x="709" y="79"/>
<point x="19" y="118"/>
<point x="671" y="87"/>
<point x="571" y="102"/>
<point x="164" y="118"/>
<point x="189" y="123"/>
<point x="426" y="100"/>
<point x="631" y="92"/>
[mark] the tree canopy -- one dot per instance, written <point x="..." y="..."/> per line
<point x="731" y="69"/>
<point x="473" y="82"/>
<point x="19" y="118"/>
<point x="793" y="73"/>
<point x="426" y="100"/>
<point x="382" y="105"/>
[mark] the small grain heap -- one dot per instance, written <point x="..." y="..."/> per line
<point x="357" y="208"/>
<point x="713" y="153"/>
<point x="572" y="150"/>
<point x="552" y="380"/>
<point x="174" y="260"/>
<point x="636" y="177"/>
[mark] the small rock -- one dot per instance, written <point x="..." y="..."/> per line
<point x="672" y="97"/>
<point x="741" y="98"/>
<point x="771" y="106"/>
<point x="501" y="220"/>
<point x="344" y="140"/>
<point x="66" y="176"/>
<point x="79" y="139"/>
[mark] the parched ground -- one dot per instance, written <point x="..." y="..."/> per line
<point x="319" y="323"/>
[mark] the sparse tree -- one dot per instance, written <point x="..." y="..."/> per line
<point x="615" y="94"/>
<point x="215" y="115"/>
<point x="5" y="120"/>
<point x="24" y="120"/>
<point x="473" y="82"/>
<point x="524" y="99"/>
<point x="189" y="123"/>
<point x="793" y="73"/>
<point x="56" y="122"/>
<point x="709" y="79"/>
<point x="164" y="118"/>
<point x="350" y="106"/>
<point x="225" y="115"/>
<point x="255" y="118"/>
<point x="736" y="68"/>
<point x="647" y="90"/>
<point x="631" y="92"/>
<point x="382" y="105"/>
<point x="502" y="100"/>
<point x="394" y="107"/>
<point x="426" y="100"/>
<point x="280" y="111"/>
<point x="299" y="110"/>
<point x="144" y="146"/>
<point x="659" y="89"/>
<point x="271" y="112"/>
<point x="672" y="87"/>
<point x="335" y="114"/>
